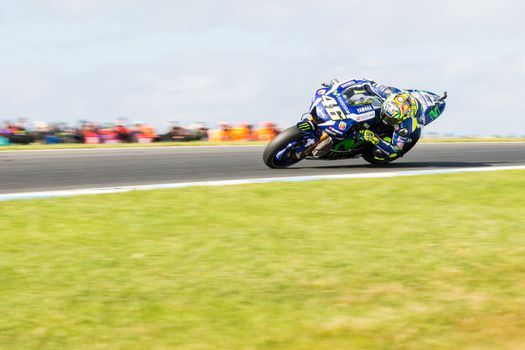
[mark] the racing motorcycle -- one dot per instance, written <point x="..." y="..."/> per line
<point x="338" y="117"/>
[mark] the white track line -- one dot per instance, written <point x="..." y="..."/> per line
<point x="103" y="190"/>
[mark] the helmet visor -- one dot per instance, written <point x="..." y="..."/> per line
<point x="391" y="113"/>
<point x="390" y="120"/>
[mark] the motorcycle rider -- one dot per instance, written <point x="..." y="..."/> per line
<point x="404" y="110"/>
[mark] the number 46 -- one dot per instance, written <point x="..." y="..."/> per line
<point x="333" y="108"/>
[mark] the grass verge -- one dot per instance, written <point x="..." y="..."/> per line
<point x="407" y="263"/>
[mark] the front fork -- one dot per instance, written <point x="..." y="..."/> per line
<point x="315" y="137"/>
<point x="309" y="149"/>
<point x="310" y="140"/>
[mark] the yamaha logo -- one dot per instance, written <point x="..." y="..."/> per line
<point x="364" y="109"/>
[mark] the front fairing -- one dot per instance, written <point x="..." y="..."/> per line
<point x="334" y="114"/>
<point x="430" y="105"/>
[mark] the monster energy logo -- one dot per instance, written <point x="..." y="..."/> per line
<point x="305" y="126"/>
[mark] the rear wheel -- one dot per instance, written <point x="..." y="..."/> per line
<point x="279" y="144"/>
<point x="368" y="155"/>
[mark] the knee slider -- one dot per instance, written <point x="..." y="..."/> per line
<point x="403" y="132"/>
<point x="378" y="153"/>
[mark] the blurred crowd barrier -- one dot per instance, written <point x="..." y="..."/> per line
<point x="138" y="132"/>
<point x="243" y="132"/>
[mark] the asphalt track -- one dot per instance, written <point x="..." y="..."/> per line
<point x="50" y="170"/>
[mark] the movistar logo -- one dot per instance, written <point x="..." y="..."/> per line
<point x="343" y="104"/>
<point x="434" y="112"/>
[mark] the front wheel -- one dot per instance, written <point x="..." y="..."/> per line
<point x="279" y="144"/>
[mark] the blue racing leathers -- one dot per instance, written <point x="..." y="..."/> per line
<point x="368" y="87"/>
<point x="406" y="132"/>
<point x="430" y="106"/>
<point x="409" y="130"/>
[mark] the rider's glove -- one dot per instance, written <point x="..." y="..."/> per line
<point x="368" y="136"/>
<point x="305" y="126"/>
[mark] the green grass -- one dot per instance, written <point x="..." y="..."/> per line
<point x="427" y="262"/>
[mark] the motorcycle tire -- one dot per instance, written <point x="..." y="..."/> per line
<point x="278" y="144"/>
<point x="369" y="156"/>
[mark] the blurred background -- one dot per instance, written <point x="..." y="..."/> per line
<point x="206" y="63"/>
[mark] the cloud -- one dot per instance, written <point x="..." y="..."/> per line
<point x="237" y="60"/>
<point x="78" y="7"/>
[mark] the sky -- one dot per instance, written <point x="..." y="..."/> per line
<point x="161" y="61"/>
